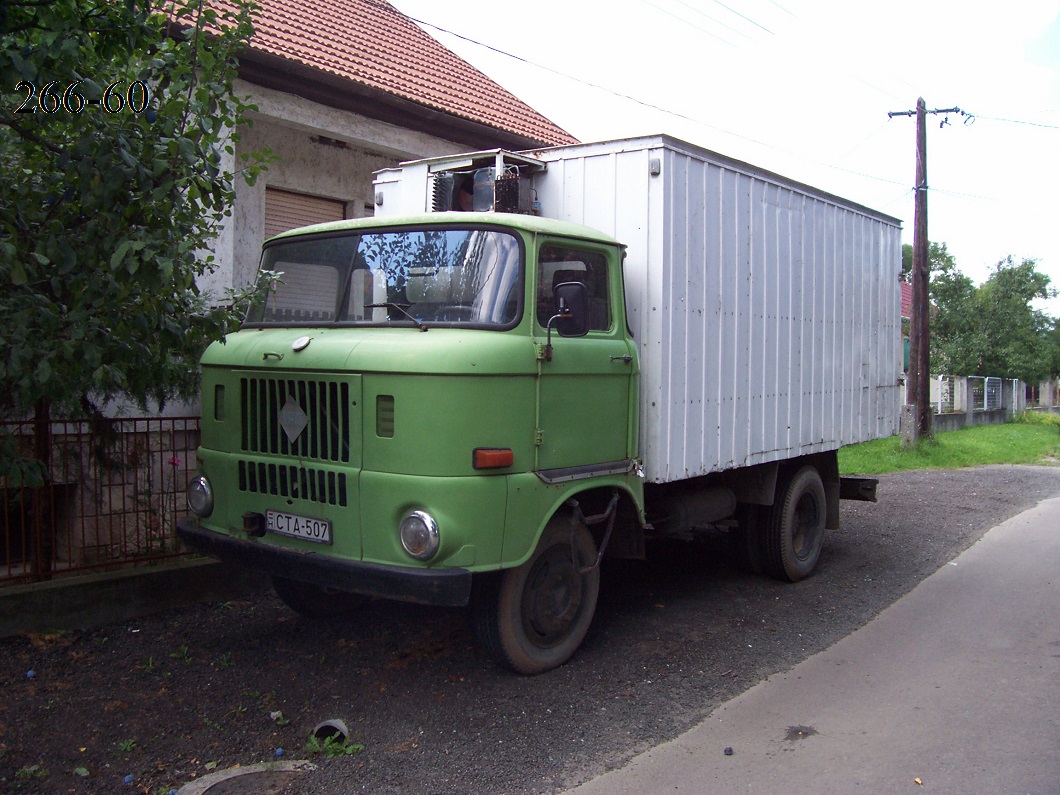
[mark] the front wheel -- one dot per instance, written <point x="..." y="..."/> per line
<point x="314" y="601"/>
<point x="535" y="617"/>
<point x="794" y="533"/>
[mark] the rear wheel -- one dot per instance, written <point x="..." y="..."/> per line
<point x="314" y="601"/>
<point x="534" y="617"/>
<point x="794" y="533"/>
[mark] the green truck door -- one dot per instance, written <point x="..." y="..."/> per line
<point x="585" y="389"/>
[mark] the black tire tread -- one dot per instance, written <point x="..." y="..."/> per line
<point x="774" y="541"/>
<point x="486" y="614"/>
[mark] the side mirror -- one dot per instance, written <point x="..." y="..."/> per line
<point x="571" y="317"/>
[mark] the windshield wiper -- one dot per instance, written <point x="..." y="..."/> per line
<point x="402" y="308"/>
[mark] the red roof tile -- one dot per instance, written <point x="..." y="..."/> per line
<point x="373" y="44"/>
<point x="907" y="299"/>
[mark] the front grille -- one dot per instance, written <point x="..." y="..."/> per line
<point x="326" y="405"/>
<point x="294" y="482"/>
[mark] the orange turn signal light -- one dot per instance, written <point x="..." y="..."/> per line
<point x="492" y="458"/>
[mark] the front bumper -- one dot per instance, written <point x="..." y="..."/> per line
<point x="442" y="587"/>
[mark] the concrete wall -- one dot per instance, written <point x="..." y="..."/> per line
<point x="965" y="414"/>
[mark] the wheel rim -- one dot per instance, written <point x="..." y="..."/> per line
<point x="552" y="599"/>
<point x="806" y="526"/>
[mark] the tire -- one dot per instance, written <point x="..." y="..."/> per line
<point x="533" y="618"/>
<point x="794" y="533"/>
<point x="314" y="601"/>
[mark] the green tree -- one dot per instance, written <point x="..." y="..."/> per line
<point x="957" y="337"/>
<point x="1054" y="349"/>
<point x="114" y="125"/>
<point x="939" y="258"/>
<point x="992" y="329"/>
<point x="1017" y="334"/>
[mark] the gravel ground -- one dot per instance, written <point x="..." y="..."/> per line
<point x="170" y="697"/>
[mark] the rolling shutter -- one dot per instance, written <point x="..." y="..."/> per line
<point x="285" y="210"/>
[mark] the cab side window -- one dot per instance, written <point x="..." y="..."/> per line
<point x="556" y="265"/>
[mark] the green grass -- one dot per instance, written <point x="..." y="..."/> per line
<point x="1032" y="438"/>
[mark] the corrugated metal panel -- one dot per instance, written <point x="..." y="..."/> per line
<point x="766" y="312"/>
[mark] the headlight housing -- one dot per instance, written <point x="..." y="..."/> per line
<point x="200" y="496"/>
<point x="419" y="535"/>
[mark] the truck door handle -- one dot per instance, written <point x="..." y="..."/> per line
<point x="626" y="358"/>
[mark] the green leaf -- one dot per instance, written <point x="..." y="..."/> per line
<point x="98" y="231"/>
<point x="119" y="254"/>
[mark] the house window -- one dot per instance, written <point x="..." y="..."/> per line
<point x="286" y="210"/>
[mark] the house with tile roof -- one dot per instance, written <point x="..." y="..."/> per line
<point x="344" y="88"/>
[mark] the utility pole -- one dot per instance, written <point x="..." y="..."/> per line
<point x="918" y="382"/>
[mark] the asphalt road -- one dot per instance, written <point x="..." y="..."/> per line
<point x="672" y="639"/>
<point x="953" y="688"/>
<point x="168" y="698"/>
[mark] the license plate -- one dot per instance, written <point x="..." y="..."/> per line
<point x="304" y="527"/>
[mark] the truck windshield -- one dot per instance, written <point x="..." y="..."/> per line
<point x="436" y="277"/>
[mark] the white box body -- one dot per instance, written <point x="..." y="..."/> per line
<point x="766" y="312"/>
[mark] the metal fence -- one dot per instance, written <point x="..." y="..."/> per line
<point x="986" y="393"/>
<point x="947" y="393"/>
<point x="115" y="488"/>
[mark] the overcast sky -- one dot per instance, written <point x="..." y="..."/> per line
<point x="803" y="88"/>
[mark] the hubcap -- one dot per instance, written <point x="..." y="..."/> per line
<point x="806" y="526"/>
<point x="552" y="598"/>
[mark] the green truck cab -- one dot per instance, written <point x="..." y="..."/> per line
<point x="439" y="409"/>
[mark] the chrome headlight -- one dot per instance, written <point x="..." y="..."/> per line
<point x="200" y="496"/>
<point x="419" y="535"/>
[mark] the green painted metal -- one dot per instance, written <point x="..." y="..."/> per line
<point x="393" y="415"/>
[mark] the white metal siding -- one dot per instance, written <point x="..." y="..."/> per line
<point x="766" y="314"/>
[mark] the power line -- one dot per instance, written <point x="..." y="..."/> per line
<point x="778" y="5"/>
<point x="667" y="111"/>
<point x="702" y="14"/>
<point x="957" y="195"/>
<point x="741" y="16"/>
<point x="684" y="21"/>
<point x="536" y="65"/>
<point x="1016" y="121"/>
<point x="900" y="197"/>
<point x="652" y="106"/>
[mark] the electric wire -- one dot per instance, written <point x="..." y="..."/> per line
<point x="1017" y="121"/>
<point x="741" y="16"/>
<point x="645" y="104"/>
<point x="703" y="13"/>
<point x="676" y="114"/>
<point x="684" y="21"/>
